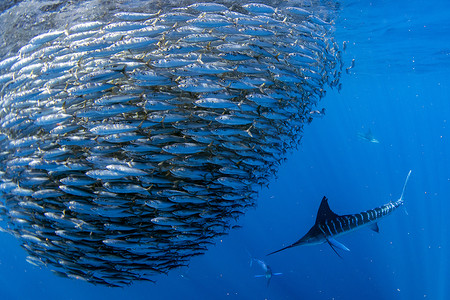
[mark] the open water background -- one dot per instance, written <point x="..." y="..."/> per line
<point x="400" y="89"/>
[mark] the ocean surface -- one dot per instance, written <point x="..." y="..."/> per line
<point x="399" y="89"/>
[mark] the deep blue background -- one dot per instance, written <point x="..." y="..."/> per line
<point x="400" y="89"/>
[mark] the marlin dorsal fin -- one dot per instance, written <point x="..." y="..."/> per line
<point x="325" y="213"/>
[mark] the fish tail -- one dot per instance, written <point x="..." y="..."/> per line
<point x="404" y="185"/>
<point x="403" y="191"/>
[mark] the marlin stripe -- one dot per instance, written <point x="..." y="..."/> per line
<point x="342" y="229"/>
<point x="359" y="218"/>
<point x="334" y="225"/>
<point x="328" y="228"/>
<point x="344" y="223"/>
<point x="352" y="222"/>
<point x="379" y="212"/>
<point x="365" y="217"/>
<point x="349" y="222"/>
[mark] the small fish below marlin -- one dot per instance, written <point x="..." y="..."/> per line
<point x="368" y="136"/>
<point x="268" y="274"/>
<point x="329" y="224"/>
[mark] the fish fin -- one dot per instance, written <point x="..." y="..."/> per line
<point x="375" y="227"/>
<point x="325" y="213"/>
<point x="337" y="244"/>
<point x="259" y="276"/>
<point x="404" y="185"/>
<point x="277" y="274"/>
<point x="268" y="280"/>
<point x="332" y="247"/>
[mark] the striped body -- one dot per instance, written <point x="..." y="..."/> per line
<point x="347" y="223"/>
<point x="329" y="224"/>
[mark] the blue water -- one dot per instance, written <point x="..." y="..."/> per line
<point x="400" y="89"/>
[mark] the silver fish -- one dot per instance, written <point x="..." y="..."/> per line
<point x="130" y="143"/>
<point x="258" y="8"/>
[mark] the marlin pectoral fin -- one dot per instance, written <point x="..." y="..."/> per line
<point x="337" y="244"/>
<point x="375" y="227"/>
<point x="259" y="276"/>
<point x="277" y="274"/>
<point x="332" y="247"/>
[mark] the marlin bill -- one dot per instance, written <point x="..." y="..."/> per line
<point x="328" y="224"/>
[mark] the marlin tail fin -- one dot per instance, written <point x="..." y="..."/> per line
<point x="404" y="185"/>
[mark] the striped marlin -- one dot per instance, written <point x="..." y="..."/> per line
<point x="329" y="224"/>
